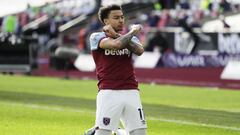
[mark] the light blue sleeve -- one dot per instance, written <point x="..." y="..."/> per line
<point x="95" y="39"/>
<point x="135" y="39"/>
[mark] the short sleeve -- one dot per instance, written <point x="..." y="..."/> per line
<point x="95" y="38"/>
<point x="135" y="39"/>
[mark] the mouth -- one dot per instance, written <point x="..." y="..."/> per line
<point x="120" y="27"/>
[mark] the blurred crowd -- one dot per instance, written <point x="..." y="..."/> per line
<point x="60" y="12"/>
<point x="45" y="34"/>
<point x="192" y="11"/>
<point x="165" y="13"/>
<point x="187" y="14"/>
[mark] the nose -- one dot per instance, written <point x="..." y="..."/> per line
<point x="121" y="20"/>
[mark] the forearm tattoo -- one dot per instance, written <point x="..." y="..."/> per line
<point x="136" y="48"/>
<point x="125" y="39"/>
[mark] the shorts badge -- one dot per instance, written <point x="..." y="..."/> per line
<point x="106" y="121"/>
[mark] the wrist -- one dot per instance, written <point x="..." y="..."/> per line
<point x="133" y="32"/>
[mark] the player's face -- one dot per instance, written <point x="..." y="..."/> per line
<point x="116" y="20"/>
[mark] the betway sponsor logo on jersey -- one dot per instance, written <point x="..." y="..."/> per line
<point x="117" y="52"/>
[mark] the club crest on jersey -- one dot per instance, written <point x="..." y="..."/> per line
<point x="117" y="52"/>
<point x="106" y="121"/>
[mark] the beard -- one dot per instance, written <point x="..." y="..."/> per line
<point x="119" y="28"/>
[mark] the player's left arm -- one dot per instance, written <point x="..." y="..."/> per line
<point x="134" y="45"/>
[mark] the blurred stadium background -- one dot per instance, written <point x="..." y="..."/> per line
<point x="187" y="42"/>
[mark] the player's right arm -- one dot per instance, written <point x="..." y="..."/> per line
<point x="121" y="41"/>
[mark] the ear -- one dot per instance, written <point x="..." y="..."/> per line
<point x="105" y="21"/>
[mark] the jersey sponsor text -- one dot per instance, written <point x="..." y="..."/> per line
<point x="117" y="52"/>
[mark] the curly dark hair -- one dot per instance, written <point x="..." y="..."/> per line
<point x="103" y="12"/>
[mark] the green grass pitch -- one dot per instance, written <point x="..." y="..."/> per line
<point x="53" y="106"/>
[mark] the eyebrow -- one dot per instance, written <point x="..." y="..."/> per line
<point x="118" y="15"/>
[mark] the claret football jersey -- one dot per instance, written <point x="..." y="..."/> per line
<point x="114" y="68"/>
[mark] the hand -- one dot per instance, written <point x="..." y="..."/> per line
<point x="136" y="28"/>
<point x="110" y="32"/>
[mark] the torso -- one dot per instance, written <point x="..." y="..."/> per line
<point x="114" y="68"/>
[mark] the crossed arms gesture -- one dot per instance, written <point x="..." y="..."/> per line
<point x="117" y="41"/>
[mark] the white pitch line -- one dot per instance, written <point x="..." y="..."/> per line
<point x="35" y="106"/>
<point x="44" y="107"/>
<point x="194" y="123"/>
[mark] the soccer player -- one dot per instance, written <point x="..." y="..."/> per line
<point x="118" y="96"/>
